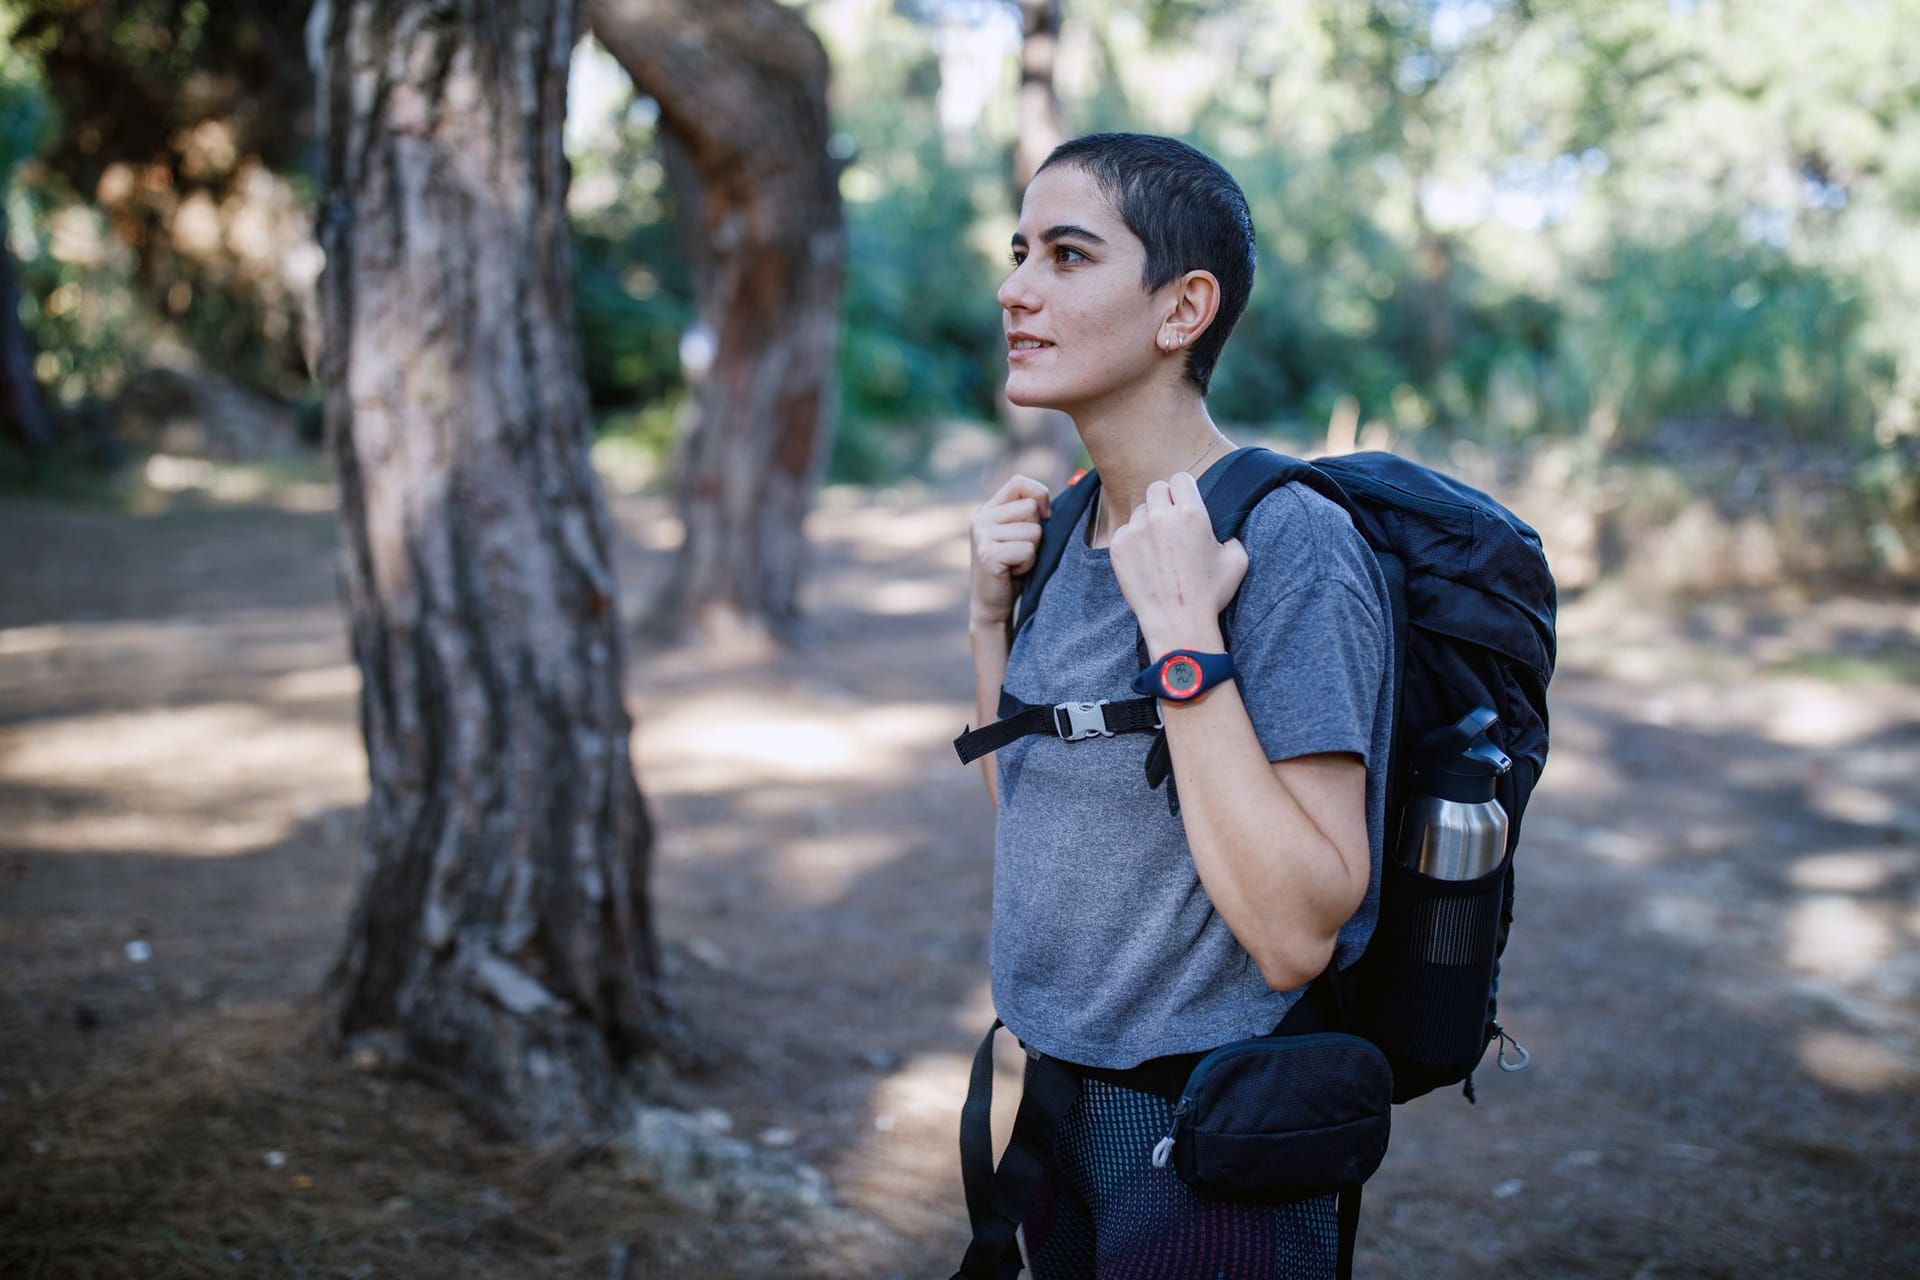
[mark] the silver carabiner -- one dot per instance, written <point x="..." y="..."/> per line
<point x="1520" y="1062"/>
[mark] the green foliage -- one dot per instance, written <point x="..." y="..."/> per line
<point x="24" y="113"/>
<point x="70" y="472"/>
<point x="172" y="115"/>
<point x="84" y="310"/>
<point x="631" y="313"/>
<point x="1710" y="325"/>
<point x="1478" y="218"/>
<point x="920" y="331"/>
<point x="1326" y="317"/>
<point x="633" y="293"/>
<point x="129" y="75"/>
<point x="1505" y="218"/>
<point x="920" y="327"/>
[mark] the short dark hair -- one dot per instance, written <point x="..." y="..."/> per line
<point x="1188" y="212"/>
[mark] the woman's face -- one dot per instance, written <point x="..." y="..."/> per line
<point x="1080" y="328"/>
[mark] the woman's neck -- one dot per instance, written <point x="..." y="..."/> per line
<point x="1151" y="438"/>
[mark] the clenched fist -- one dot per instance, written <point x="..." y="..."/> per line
<point x="1176" y="576"/>
<point x="1006" y="536"/>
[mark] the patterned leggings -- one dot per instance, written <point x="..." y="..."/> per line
<point x="1103" y="1212"/>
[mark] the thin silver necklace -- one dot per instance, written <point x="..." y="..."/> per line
<point x="1211" y="446"/>
<point x="1100" y="499"/>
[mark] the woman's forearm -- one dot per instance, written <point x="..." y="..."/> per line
<point x="989" y="641"/>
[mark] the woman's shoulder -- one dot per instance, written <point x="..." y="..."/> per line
<point x="1297" y="516"/>
<point x="1296" y="536"/>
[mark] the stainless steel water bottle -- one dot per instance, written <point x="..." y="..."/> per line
<point x="1453" y="828"/>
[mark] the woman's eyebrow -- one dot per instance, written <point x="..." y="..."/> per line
<point x="1065" y="231"/>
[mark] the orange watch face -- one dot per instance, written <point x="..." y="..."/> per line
<point x="1180" y="677"/>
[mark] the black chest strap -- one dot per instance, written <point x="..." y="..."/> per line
<point x="1069" y="721"/>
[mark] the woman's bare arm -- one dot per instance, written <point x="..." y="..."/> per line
<point x="1282" y="848"/>
<point x="1005" y="535"/>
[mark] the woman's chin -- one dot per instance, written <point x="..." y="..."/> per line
<point x="1027" y="396"/>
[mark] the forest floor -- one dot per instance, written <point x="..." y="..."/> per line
<point x="1716" y="964"/>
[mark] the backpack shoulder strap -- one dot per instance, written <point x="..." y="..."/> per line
<point x="1254" y="473"/>
<point x="1248" y="475"/>
<point x="1063" y="514"/>
<point x="1239" y="482"/>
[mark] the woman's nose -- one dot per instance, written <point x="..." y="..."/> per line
<point x="1014" y="294"/>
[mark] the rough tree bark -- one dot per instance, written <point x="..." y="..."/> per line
<point x="502" y="940"/>
<point x="1040" y="442"/>
<point x="742" y="87"/>
<point x="20" y="414"/>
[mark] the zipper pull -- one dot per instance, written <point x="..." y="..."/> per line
<point x="1163" y="1149"/>
<point x="1521" y="1058"/>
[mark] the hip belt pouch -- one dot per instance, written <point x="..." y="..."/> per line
<point x="1280" y="1118"/>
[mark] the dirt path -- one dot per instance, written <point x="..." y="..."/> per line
<point x="1717" y="964"/>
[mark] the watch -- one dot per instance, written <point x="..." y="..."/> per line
<point x="1183" y="675"/>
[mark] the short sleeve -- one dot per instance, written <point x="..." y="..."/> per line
<point x="1310" y="646"/>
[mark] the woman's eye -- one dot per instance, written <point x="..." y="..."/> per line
<point x="1067" y="253"/>
<point x="1016" y="257"/>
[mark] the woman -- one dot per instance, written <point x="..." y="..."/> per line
<point x="1124" y="933"/>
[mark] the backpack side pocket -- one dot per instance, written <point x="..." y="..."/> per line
<point x="1429" y="975"/>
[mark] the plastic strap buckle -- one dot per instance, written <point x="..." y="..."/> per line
<point x="1074" y="721"/>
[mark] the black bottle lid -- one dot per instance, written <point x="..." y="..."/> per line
<point x="1460" y="762"/>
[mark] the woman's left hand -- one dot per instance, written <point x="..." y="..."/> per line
<point x="1175" y="575"/>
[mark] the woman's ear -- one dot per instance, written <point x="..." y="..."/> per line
<point x="1196" y="300"/>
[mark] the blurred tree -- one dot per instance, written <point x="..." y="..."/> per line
<point x="21" y="416"/>
<point x="502" y="941"/>
<point x="23" y="119"/>
<point x="1040" y="130"/>
<point x="1041" y="443"/>
<point x="742" y="90"/>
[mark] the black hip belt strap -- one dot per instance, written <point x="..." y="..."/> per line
<point x="997" y="1199"/>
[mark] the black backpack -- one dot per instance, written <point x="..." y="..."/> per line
<point x="1473" y="626"/>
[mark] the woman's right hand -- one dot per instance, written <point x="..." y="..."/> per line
<point x="1006" y="536"/>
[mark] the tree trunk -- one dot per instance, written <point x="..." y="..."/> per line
<point x="1433" y="294"/>
<point x="1040" y="442"/>
<point x="20" y="413"/>
<point x="1040" y="128"/>
<point x="502" y="941"/>
<point x="742" y="88"/>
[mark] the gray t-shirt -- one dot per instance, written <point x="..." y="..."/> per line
<point x="1106" y="950"/>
